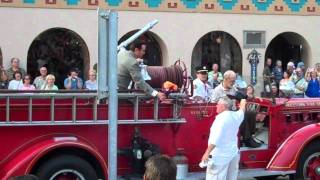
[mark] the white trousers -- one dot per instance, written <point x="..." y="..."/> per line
<point x="224" y="172"/>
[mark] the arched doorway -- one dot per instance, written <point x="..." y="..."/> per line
<point x="217" y="47"/>
<point x="60" y="50"/>
<point x="153" y="56"/>
<point x="288" y="46"/>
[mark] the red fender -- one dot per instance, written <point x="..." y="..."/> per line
<point x="25" y="158"/>
<point x="287" y="156"/>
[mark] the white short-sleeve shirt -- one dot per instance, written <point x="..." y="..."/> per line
<point x="224" y="135"/>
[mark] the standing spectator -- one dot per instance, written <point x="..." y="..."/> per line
<point x="300" y="83"/>
<point x="313" y="85"/>
<point x="160" y="167"/>
<point x="3" y="78"/>
<point x="302" y="67"/>
<point x="73" y="81"/>
<point x="26" y="83"/>
<point x="223" y="141"/>
<point x="15" y="67"/>
<point x="201" y="89"/>
<point x="286" y="86"/>
<point x="278" y="72"/>
<point x="267" y="75"/>
<point x="91" y="84"/>
<point x="291" y="70"/>
<point x="317" y="66"/>
<point x="49" y="85"/>
<point x="307" y="75"/>
<point x="226" y="87"/>
<point x="41" y="80"/>
<point x="16" y="83"/>
<point x="215" y="70"/>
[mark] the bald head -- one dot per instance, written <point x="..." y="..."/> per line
<point x="229" y="78"/>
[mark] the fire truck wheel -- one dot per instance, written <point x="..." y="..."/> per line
<point x="66" y="167"/>
<point x="309" y="162"/>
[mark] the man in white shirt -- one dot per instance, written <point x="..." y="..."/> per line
<point x="201" y="88"/>
<point x="223" y="142"/>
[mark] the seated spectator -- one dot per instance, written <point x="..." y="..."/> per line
<point x="213" y="81"/>
<point x="16" y="83"/>
<point x="226" y="87"/>
<point x="49" y="85"/>
<point x="41" y="80"/>
<point x="26" y="83"/>
<point x="73" y="81"/>
<point x="313" y="85"/>
<point x="15" y="67"/>
<point x="250" y="92"/>
<point x="248" y="125"/>
<point x="91" y="84"/>
<point x="160" y="167"/>
<point x="274" y="90"/>
<point x="3" y="78"/>
<point x="215" y="70"/>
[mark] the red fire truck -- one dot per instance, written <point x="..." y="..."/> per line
<point x="64" y="135"/>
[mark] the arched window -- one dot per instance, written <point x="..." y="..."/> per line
<point x="60" y="50"/>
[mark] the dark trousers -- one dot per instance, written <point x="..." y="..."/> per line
<point x="248" y="125"/>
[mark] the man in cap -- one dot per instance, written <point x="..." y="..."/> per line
<point x="201" y="88"/>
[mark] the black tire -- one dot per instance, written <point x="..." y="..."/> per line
<point x="66" y="164"/>
<point x="311" y="150"/>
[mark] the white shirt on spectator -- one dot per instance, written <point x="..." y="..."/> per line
<point x="224" y="135"/>
<point x="15" y="85"/>
<point x="91" y="85"/>
<point x="201" y="89"/>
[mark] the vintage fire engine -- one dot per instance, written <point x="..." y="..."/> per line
<point x="64" y="135"/>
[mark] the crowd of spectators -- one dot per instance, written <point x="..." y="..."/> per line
<point x="294" y="81"/>
<point x="16" y="78"/>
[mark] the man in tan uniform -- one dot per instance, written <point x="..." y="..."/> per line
<point x="129" y="70"/>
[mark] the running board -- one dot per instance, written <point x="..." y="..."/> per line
<point x="243" y="173"/>
<point x="247" y="173"/>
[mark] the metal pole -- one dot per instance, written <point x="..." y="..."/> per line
<point x="113" y="96"/>
<point x="102" y="60"/>
<point x="137" y="34"/>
